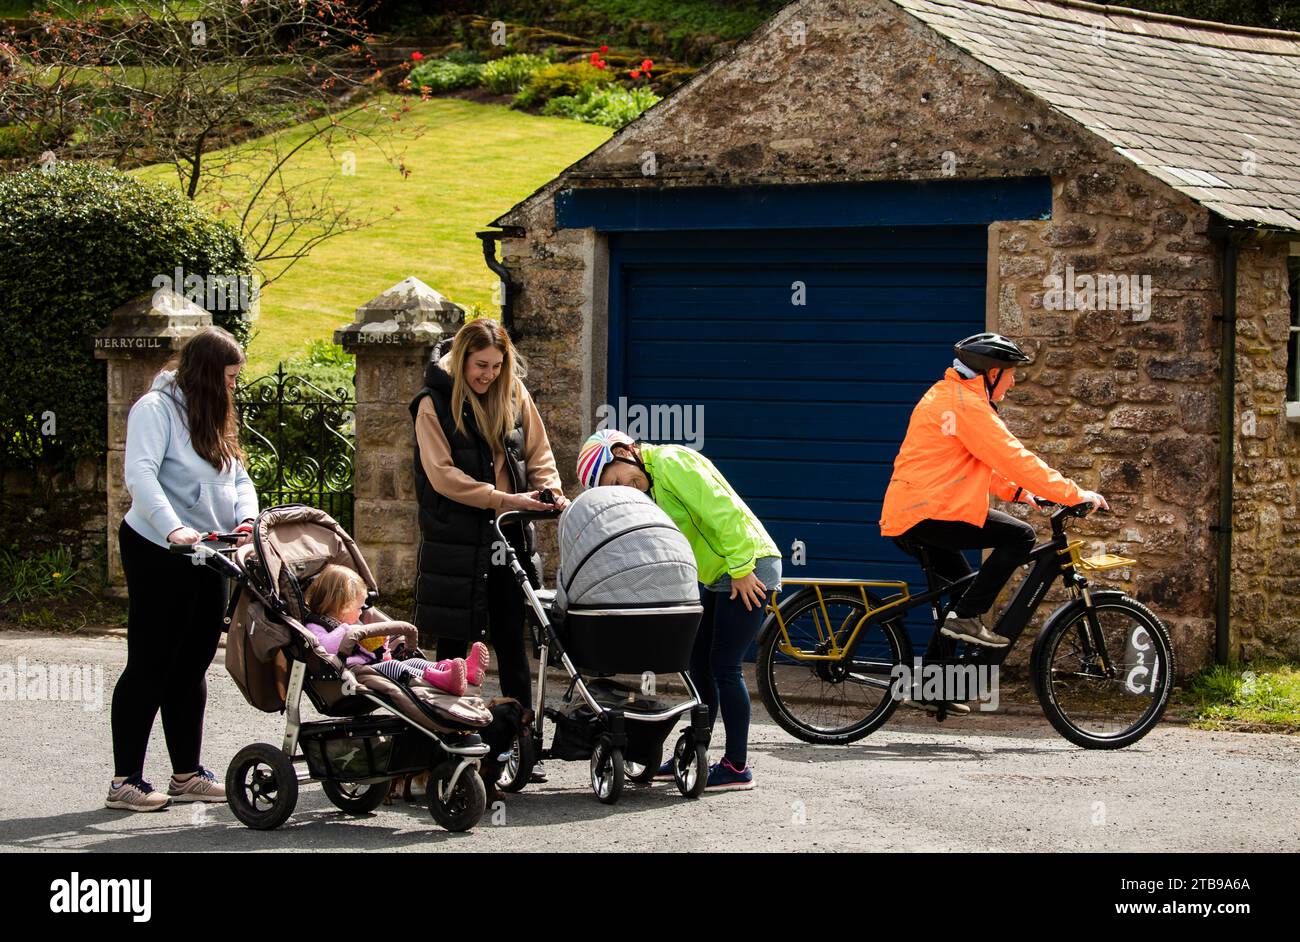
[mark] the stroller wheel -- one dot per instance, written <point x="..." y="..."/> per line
<point x="262" y="786"/>
<point x="690" y="766"/>
<point x="644" y="774"/>
<point x="459" y="808"/>
<point x="355" y="797"/>
<point x="518" y="768"/>
<point x="606" y="771"/>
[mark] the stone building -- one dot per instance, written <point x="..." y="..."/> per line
<point x="786" y="247"/>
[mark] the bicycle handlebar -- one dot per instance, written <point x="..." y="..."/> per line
<point x="1063" y="512"/>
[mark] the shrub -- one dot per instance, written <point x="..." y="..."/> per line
<point x="19" y="143"/>
<point x="509" y="74"/>
<point x="463" y="57"/>
<point x="610" y="106"/>
<point x="36" y="576"/>
<point x="555" y="81"/>
<point x="442" y="75"/>
<point x="76" y="242"/>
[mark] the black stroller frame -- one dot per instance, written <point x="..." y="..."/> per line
<point x="352" y="755"/>
<point x="628" y="742"/>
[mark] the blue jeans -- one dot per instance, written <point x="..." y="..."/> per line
<point x="726" y="632"/>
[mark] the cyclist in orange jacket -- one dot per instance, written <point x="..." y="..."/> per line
<point x="957" y="451"/>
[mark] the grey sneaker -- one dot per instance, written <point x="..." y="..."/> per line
<point x="201" y="786"/>
<point x="135" y="794"/>
<point x="973" y="631"/>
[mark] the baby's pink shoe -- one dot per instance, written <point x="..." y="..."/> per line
<point x="477" y="663"/>
<point x="450" y="679"/>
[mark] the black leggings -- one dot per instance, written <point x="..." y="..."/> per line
<point x="1009" y="538"/>
<point x="506" y="628"/>
<point x="173" y="626"/>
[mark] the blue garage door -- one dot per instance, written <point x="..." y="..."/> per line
<point x="804" y="405"/>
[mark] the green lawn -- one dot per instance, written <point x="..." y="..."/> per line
<point x="471" y="163"/>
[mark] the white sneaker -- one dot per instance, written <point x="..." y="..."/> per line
<point x="135" y="794"/>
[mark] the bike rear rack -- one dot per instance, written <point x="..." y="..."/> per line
<point x="835" y="652"/>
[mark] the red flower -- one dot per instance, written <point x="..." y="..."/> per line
<point x="604" y="49"/>
<point x="647" y="65"/>
<point x="635" y="73"/>
<point x="417" y="56"/>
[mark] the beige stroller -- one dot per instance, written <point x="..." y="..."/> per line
<point x="377" y="729"/>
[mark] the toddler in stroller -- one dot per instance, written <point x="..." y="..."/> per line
<point x="372" y="729"/>
<point x="336" y="599"/>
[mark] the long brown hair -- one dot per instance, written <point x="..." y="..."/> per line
<point x="209" y="405"/>
<point x="497" y="411"/>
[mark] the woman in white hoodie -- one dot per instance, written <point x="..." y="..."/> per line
<point x="185" y="472"/>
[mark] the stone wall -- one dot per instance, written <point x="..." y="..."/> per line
<point x="1266" y="524"/>
<point x="1125" y="401"/>
<point x="43" y="508"/>
<point x="1125" y="404"/>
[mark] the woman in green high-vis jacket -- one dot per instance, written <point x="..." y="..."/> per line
<point x="738" y="566"/>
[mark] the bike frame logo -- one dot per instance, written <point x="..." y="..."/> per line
<point x="659" y="422"/>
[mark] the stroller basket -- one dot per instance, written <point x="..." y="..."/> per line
<point x="631" y="641"/>
<point x="372" y="747"/>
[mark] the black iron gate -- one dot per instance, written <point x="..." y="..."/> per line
<point x="300" y="441"/>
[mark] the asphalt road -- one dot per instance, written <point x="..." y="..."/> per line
<point x="989" y="782"/>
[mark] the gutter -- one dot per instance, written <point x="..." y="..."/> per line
<point x="490" y="238"/>
<point x="1227" y="440"/>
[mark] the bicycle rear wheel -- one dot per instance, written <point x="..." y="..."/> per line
<point x="829" y="702"/>
<point x="1098" y="705"/>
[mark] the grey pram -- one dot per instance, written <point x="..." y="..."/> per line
<point x="626" y="602"/>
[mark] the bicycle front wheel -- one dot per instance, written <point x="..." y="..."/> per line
<point x="829" y="701"/>
<point x="1105" y="687"/>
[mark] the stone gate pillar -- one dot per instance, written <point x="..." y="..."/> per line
<point x="392" y="336"/>
<point x="141" y="336"/>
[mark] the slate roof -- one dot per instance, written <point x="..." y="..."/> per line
<point x="1212" y="110"/>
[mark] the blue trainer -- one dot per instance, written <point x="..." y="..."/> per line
<point x="665" y="771"/>
<point x="725" y="777"/>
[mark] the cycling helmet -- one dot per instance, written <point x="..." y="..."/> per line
<point x="984" y="352"/>
<point x="597" y="452"/>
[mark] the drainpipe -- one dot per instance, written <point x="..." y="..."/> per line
<point x="490" y="239"/>
<point x="1227" y="442"/>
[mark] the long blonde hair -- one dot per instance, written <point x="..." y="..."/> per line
<point x="334" y="589"/>
<point x="497" y="411"/>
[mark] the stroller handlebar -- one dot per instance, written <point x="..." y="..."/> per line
<point x="523" y="516"/>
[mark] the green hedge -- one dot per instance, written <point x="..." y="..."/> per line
<point x="77" y="241"/>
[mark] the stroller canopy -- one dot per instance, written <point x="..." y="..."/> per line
<point x="618" y="550"/>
